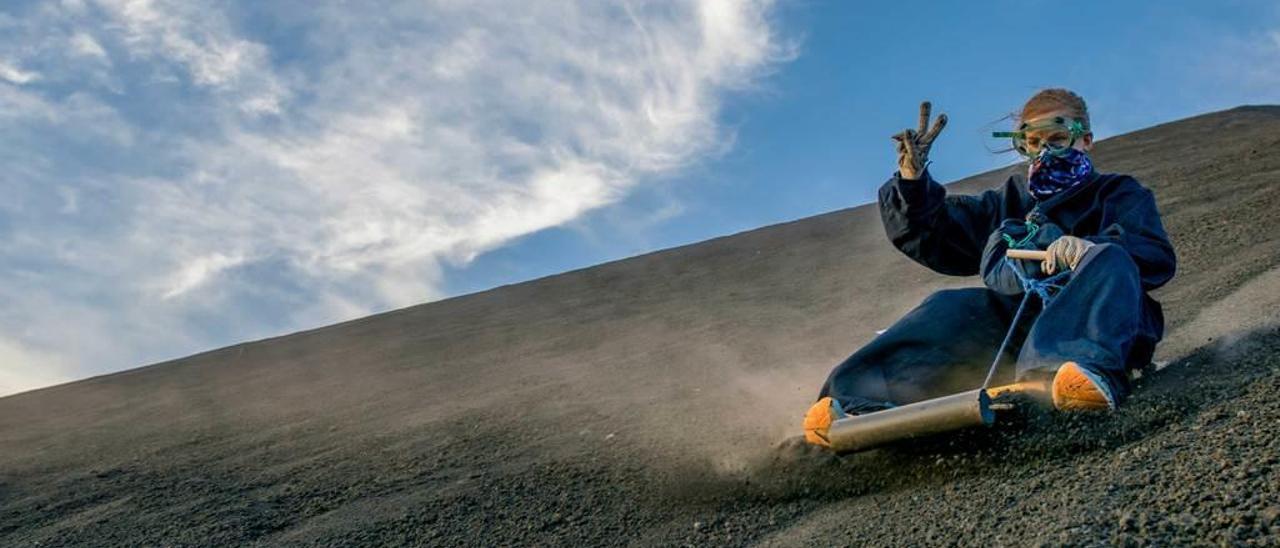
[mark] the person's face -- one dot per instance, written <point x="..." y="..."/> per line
<point x="1038" y="137"/>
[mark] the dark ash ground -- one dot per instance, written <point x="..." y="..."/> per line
<point x="643" y="402"/>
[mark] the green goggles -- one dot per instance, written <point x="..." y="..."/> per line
<point x="1054" y="135"/>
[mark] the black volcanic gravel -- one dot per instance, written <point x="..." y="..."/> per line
<point x="643" y="402"/>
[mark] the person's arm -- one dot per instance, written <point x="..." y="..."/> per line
<point x="997" y="273"/>
<point x="1134" y="224"/>
<point x="946" y="233"/>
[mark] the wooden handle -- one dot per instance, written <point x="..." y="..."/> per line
<point x="1029" y="254"/>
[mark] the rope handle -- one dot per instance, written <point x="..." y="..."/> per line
<point x="1040" y="288"/>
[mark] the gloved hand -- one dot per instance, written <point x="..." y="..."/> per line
<point x="913" y="146"/>
<point x="1065" y="253"/>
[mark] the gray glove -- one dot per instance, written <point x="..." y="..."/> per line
<point x="1065" y="252"/>
<point x="913" y="146"/>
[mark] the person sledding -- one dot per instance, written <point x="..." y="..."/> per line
<point x="1102" y="230"/>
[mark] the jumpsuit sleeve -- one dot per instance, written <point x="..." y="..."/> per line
<point x="997" y="273"/>
<point x="1134" y="224"/>
<point x="942" y="232"/>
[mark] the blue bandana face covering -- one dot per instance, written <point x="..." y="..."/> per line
<point x="1053" y="172"/>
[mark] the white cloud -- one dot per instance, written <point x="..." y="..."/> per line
<point x="243" y="187"/>
<point x="213" y="55"/>
<point x="1240" y="65"/>
<point x="15" y="75"/>
<point x="22" y="368"/>
<point x="198" y="37"/>
<point x="197" y="271"/>
<point x="83" y="44"/>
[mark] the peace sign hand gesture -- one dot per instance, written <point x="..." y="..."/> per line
<point x="913" y="146"/>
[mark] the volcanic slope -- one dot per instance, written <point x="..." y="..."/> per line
<point x="642" y="402"/>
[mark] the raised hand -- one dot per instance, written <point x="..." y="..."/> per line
<point x="913" y="145"/>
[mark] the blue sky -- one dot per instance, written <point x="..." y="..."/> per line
<point x="814" y="137"/>
<point x="188" y="174"/>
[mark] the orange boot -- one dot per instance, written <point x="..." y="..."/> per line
<point x="817" y="421"/>
<point x="1078" y="389"/>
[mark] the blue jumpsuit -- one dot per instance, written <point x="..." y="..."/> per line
<point x="1102" y="318"/>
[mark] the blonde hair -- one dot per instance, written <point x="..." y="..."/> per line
<point x="1053" y="99"/>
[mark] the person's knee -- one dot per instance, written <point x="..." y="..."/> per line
<point x="1107" y="259"/>
<point x="957" y="294"/>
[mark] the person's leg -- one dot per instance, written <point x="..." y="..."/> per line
<point x="943" y="346"/>
<point x="1100" y="319"/>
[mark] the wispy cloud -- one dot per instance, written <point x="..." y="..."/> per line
<point x="40" y="369"/>
<point x="83" y="44"/>
<point x="185" y="177"/>
<point x="1239" y="66"/>
<point x="14" y="74"/>
<point x="1247" y="62"/>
